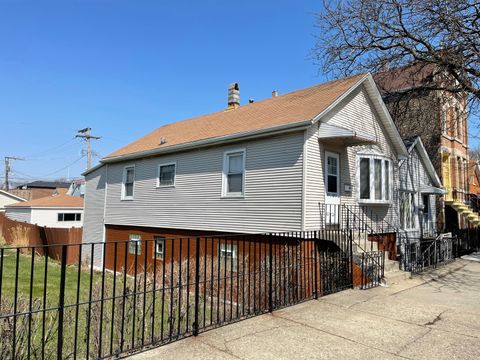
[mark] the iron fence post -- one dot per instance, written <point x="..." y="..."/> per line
<point x="350" y="255"/>
<point x="197" y="285"/>
<point x="315" y="260"/>
<point x="61" y="303"/>
<point x="270" y="287"/>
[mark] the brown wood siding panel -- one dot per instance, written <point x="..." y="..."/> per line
<point x="386" y="242"/>
<point x="253" y="249"/>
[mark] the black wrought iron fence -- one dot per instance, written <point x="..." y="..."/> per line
<point x="418" y="256"/>
<point x="373" y="264"/>
<point x="109" y="299"/>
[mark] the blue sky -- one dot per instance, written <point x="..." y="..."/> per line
<point x="125" y="68"/>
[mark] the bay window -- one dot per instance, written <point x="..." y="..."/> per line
<point x="374" y="179"/>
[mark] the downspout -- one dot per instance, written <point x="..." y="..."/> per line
<point x="104" y="214"/>
<point x="304" y="179"/>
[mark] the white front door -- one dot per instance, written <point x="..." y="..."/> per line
<point x="332" y="188"/>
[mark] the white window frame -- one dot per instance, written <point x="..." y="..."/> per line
<point x="371" y="199"/>
<point x="156" y="254"/>
<point x="174" y="163"/>
<point x="413" y="212"/>
<point x="226" y="156"/>
<point x="335" y="156"/>
<point x="231" y="261"/>
<point x="135" y="238"/>
<point x="124" y="178"/>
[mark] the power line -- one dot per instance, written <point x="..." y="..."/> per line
<point x="63" y="168"/>
<point x="85" y="134"/>
<point x="49" y="150"/>
<point x="7" y="169"/>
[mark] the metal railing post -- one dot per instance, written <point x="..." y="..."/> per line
<point x="315" y="260"/>
<point x="350" y="255"/>
<point x="61" y="303"/>
<point x="197" y="285"/>
<point x="270" y="287"/>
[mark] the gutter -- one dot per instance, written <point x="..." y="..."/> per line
<point x="301" y="125"/>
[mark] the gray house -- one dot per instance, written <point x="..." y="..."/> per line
<point x="281" y="164"/>
<point x="419" y="192"/>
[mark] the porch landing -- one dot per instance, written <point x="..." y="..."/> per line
<point x="433" y="316"/>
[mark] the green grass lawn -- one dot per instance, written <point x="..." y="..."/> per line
<point x="115" y="314"/>
<point x="32" y="278"/>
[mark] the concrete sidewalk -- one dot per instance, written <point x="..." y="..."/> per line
<point x="433" y="316"/>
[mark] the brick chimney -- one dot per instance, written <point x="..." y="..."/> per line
<point x="233" y="96"/>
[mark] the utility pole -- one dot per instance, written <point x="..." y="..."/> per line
<point x="7" y="169"/>
<point x="85" y="134"/>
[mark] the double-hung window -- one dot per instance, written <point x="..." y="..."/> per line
<point x="166" y="175"/>
<point x="135" y="244"/>
<point x="159" y="242"/>
<point x="234" y="173"/>
<point x="228" y="256"/>
<point x="374" y="179"/>
<point x="128" y="182"/>
<point x="407" y="210"/>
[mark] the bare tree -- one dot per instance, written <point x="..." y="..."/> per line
<point x="370" y="35"/>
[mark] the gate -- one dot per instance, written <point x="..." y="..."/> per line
<point x="335" y="271"/>
<point x="373" y="264"/>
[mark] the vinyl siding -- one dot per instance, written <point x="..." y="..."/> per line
<point x="93" y="227"/>
<point x="355" y="112"/>
<point x="413" y="174"/>
<point x="19" y="214"/>
<point x="272" y="200"/>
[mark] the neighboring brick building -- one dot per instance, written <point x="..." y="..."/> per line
<point x="440" y="119"/>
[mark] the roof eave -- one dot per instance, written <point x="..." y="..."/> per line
<point x="387" y="119"/>
<point x="12" y="195"/>
<point x="384" y="114"/>
<point x="428" y="163"/>
<point x="299" y="125"/>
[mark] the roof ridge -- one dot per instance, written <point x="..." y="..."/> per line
<point x="273" y="111"/>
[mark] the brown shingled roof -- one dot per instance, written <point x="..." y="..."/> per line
<point x="297" y="106"/>
<point x="52" y="201"/>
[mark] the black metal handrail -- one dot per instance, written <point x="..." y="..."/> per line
<point x="419" y="255"/>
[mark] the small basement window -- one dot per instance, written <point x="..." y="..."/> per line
<point x="159" y="242"/>
<point x="135" y="244"/>
<point x="228" y="256"/>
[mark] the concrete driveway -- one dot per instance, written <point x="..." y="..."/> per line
<point x="433" y="316"/>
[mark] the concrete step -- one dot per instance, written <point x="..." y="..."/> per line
<point x="395" y="277"/>
<point x="391" y="266"/>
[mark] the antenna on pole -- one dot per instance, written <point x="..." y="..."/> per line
<point x="7" y="169"/>
<point x="85" y="135"/>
